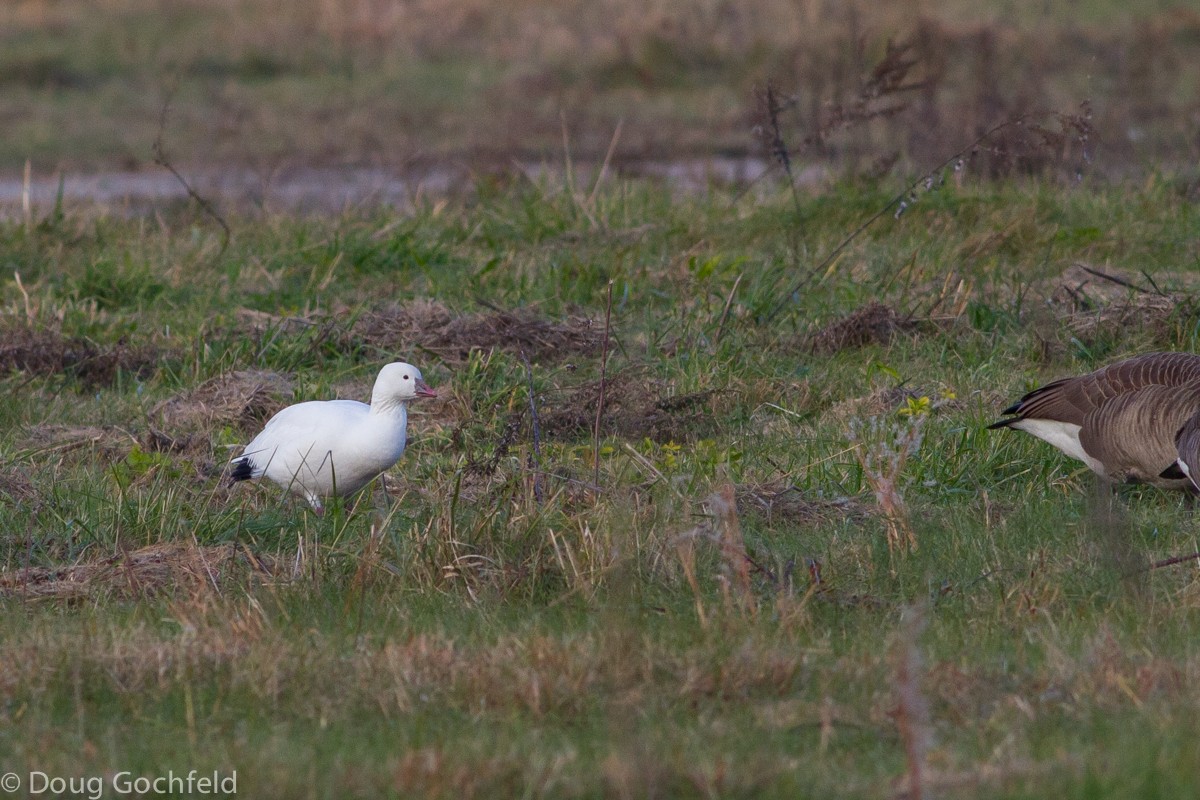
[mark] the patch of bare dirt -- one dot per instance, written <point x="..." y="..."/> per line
<point x="154" y="570"/>
<point x="43" y="351"/>
<point x="874" y="323"/>
<point x="784" y="503"/>
<point x="633" y="409"/>
<point x="431" y="326"/>
<point x="242" y="399"/>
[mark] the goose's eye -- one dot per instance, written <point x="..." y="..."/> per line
<point x="405" y="377"/>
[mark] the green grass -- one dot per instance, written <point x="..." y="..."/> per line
<point x="460" y="637"/>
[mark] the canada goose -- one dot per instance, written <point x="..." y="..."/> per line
<point x="1134" y="421"/>
<point x="335" y="447"/>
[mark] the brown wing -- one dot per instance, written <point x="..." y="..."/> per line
<point x="1072" y="399"/>
<point x="1134" y="434"/>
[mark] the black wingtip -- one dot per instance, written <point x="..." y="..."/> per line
<point x="1003" y="423"/>
<point x="242" y="470"/>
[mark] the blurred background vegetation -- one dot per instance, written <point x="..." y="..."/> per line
<point x="403" y="84"/>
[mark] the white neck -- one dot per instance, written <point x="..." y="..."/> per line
<point x="387" y="406"/>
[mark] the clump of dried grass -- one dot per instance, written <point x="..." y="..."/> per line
<point x="431" y="326"/>
<point x="46" y="351"/>
<point x="108" y="441"/>
<point x="786" y="503"/>
<point x="874" y="323"/>
<point x="242" y="398"/>
<point x="17" y="487"/>
<point x="1094" y="302"/>
<point x="633" y="408"/>
<point x="154" y="570"/>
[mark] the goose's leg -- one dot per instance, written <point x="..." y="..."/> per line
<point x="317" y="507"/>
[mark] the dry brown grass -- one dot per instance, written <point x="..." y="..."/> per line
<point x="17" y="487"/>
<point x="40" y="350"/>
<point x="634" y="408"/>
<point x="1095" y="302"/>
<point x="154" y="570"/>
<point x="784" y="504"/>
<point x="86" y="441"/>
<point x="431" y="326"/>
<point x="241" y="399"/>
<point x="874" y="323"/>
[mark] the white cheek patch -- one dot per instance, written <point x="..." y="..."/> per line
<point x="1062" y="435"/>
<point x="1183" y="467"/>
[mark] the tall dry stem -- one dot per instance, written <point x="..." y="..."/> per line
<point x="911" y="712"/>
<point x="685" y="548"/>
<point x="723" y="505"/>
<point x="883" y="448"/>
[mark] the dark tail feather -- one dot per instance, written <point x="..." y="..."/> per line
<point x="1004" y="423"/>
<point x="242" y="470"/>
<point x="1173" y="472"/>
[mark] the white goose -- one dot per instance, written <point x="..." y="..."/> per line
<point x="326" y="448"/>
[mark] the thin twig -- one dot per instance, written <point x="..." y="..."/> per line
<point x="603" y="383"/>
<point x="1150" y="278"/>
<point x="895" y="201"/>
<point x="778" y="146"/>
<point x="537" y="432"/>
<point x="1170" y="562"/>
<point x="612" y="146"/>
<point x="26" y="203"/>
<point x="160" y="158"/>
<point x="725" y="311"/>
<point x="1117" y="280"/>
<point x="568" y="479"/>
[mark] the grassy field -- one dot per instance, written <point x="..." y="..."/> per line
<point x="730" y="610"/>
<point x="706" y="506"/>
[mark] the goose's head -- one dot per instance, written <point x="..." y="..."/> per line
<point x="400" y="382"/>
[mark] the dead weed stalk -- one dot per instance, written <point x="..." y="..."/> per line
<point x="603" y="386"/>
<point x="1021" y="141"/>
<point x="883" y="447"/>
<point x="724" y="530"/>
<point x="911" y="712"/>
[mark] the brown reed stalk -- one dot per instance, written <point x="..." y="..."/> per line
<point x="911" y="712"/>
<point x="161" y="159"/>
<point x="603" y="382"/>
